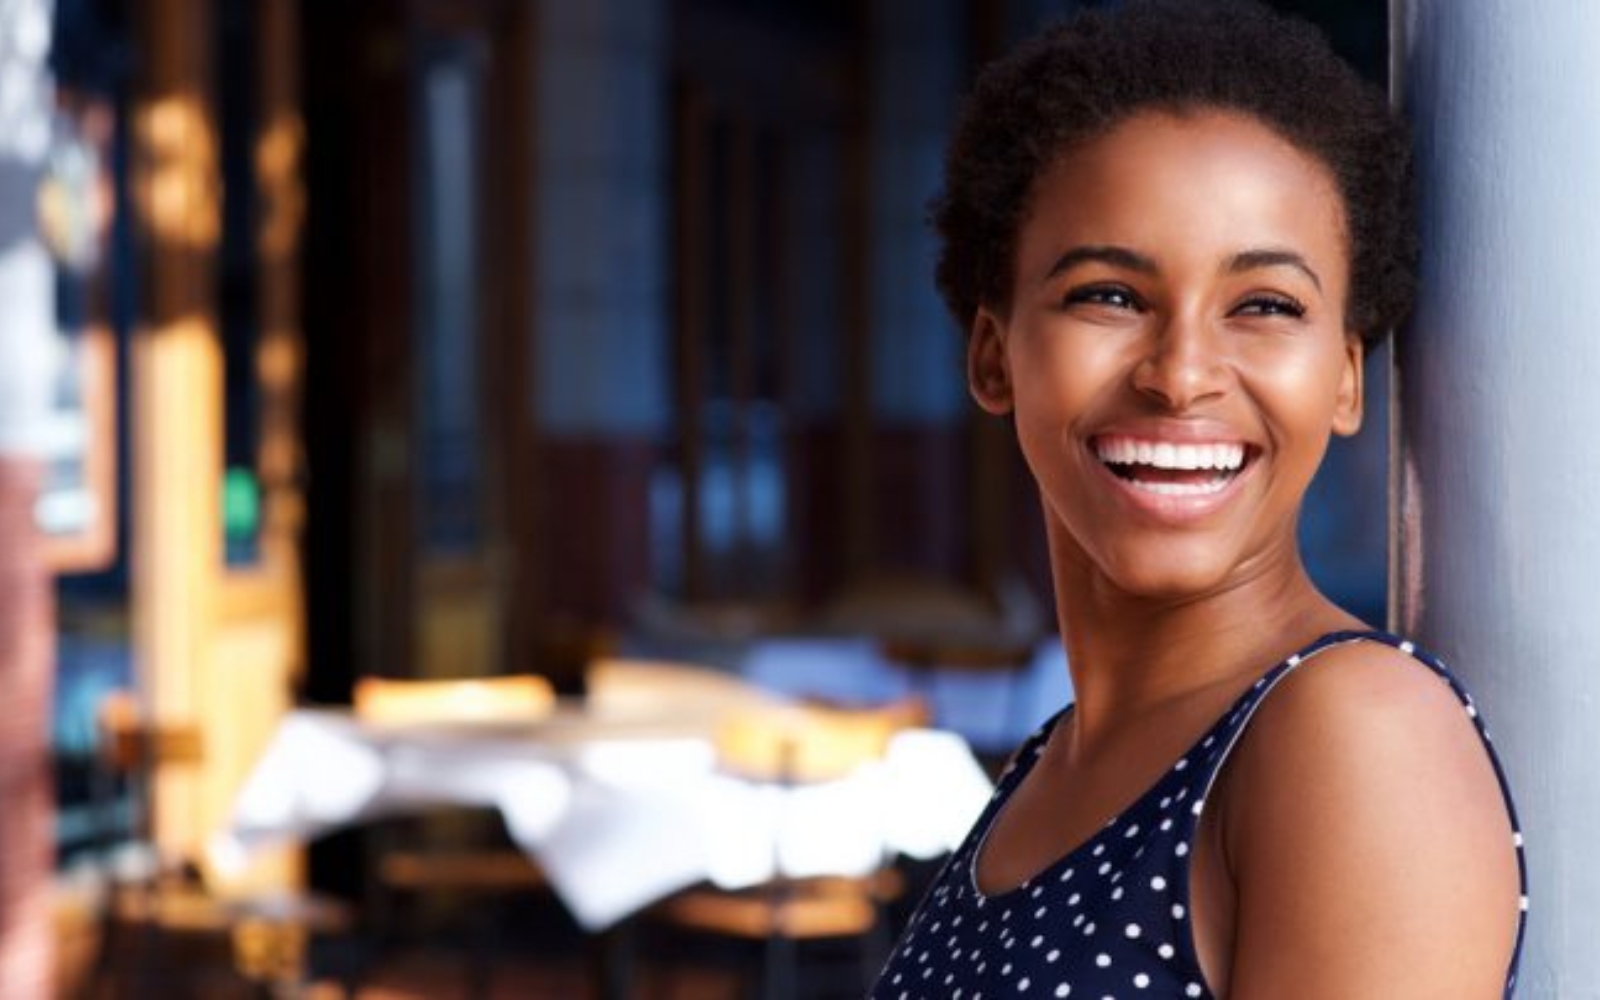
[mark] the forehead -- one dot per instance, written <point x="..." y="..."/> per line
<point x="1175" y="185"/>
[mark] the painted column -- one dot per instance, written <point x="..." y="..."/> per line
<point x="1499" y="460"/>
<point x="27" y="629"/>
<point x="916" y="361"/>
<point x="601" y="356"/>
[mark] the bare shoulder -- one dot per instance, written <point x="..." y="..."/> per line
<point x="1367" y="837"/>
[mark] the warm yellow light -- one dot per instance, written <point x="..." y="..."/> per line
<point x="180" y="196"/>
<point x="278" y="155"/>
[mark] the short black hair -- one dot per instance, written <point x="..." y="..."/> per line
<point x="1085" y="76"/>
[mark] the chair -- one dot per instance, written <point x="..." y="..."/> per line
<point x="451" y="856"/>
<point x="399" y="701"/>
<point x="792" y="746"/>
<point x="156" y="898"/>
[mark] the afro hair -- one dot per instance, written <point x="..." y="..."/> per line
<point x="1081" y="78"/>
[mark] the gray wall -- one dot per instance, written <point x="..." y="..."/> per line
<point x="1499" y="465"/>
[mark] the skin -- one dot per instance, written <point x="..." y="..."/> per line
<point x="1184" y="278"/>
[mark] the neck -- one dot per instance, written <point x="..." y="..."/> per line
<point x="1134" y="655"/>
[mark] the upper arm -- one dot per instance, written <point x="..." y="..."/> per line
<point x="1368" y="840"/>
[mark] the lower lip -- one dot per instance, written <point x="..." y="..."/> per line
<point x="1173" y="510"/>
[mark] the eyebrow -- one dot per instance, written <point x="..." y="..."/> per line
<point x="1095" y="253"/>
<point x="1115" y="256"/>
<point x="1249" y="260"/>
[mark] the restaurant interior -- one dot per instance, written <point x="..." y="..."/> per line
<point x="525" y="532"/>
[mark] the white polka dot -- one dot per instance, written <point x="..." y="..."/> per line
<point x="1066" y="876"/>
<point x="1052" y="955"/>
<point x="1132" y="831"/>
<point x="1132" y="931"/>
<point x="1099" y="849"/>
<point x="1103" y="960"/>
<point x="1167" y="801"/>
<point x="1040" y="912"/>
<point x="1038" y="939"/>
<point x="1166" y="824"/>
<point x="1116" y="894"/>
<point x="1088" y="928"/>
<point x="1523" y="904"/>
<point x="1005" y="970"/>
<point x="1141" y="981"/>
<point x="1037" y="891"/>
<point x="1023" y="983"/>
<point x="1077" y="920"/>
<point x="1407" y="647"/>
<point x="1182" y="848"/>
<point x="1516" y="838"/>
<point x="1182" y="763"/>
<point x="1165" y="951"/>
<point x="1105" y="866"/>
<point x="1063" y="990"/>
<point x="1177" y="911"/>
<point x="1073" y="899"/>
<point x="1192" y="990"/>
<point x="1199" y="804"/>
<point x="1293" y="660"/>
<point x="1158" y="883"/>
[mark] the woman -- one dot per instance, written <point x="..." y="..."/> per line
<point x="1171" y="232"/>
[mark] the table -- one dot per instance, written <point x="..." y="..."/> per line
<point x="619" y="797"/>
<point x="993" y="710"/>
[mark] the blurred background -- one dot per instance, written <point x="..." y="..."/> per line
<point x="450" y="338"/>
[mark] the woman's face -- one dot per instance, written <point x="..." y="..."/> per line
<point x="1175" y="350"/>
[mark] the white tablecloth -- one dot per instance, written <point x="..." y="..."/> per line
<point x="618" y="815"/>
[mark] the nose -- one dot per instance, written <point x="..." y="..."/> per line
<point x="1182" y="364"/>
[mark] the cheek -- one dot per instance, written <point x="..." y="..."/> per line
<point x="1300" y="390"/>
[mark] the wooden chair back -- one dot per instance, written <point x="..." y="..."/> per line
<point x="806" y="743"/>
<point x="508" y="698"/>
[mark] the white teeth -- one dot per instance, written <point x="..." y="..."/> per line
<point x="1228" y="457"/>
<point x="1181" y="489"/>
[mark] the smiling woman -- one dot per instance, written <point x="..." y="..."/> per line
<point x="1170" y="261"/>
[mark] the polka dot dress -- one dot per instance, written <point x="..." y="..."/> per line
<point x="1110" y="919"/>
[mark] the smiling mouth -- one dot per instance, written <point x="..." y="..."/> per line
<point x="1167" y="468"/>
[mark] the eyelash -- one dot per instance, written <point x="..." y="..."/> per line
<point x="1102" y="295"/>
<point x="1122" y="297"/>
<point x="1273" y="305"/>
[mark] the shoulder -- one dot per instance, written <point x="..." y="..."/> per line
<point x="1367" y="834"/>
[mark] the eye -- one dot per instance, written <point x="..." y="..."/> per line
<point x="1112" y="296"/>
<point x="1270" y="304"/>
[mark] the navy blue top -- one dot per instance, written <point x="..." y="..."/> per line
<point x="1111" y="918"/>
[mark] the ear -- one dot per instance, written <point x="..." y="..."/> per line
<point x="988" y="372"/>
<point x="1349" y="403"/>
